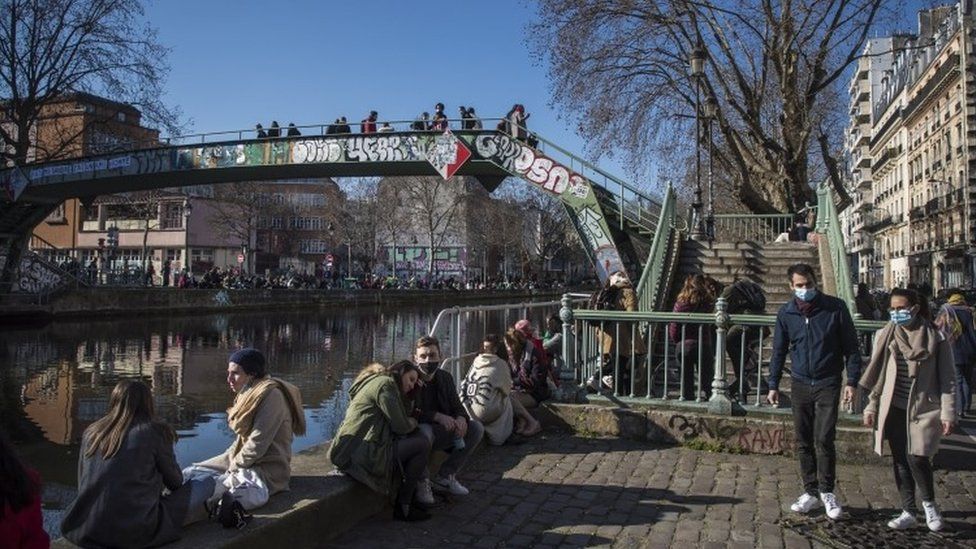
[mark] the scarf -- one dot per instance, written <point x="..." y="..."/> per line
<point x="916" y="343"/>
<point x="807" y="308"/>
<point x="240" y="416"/>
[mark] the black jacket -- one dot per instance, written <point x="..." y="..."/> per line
<point x="439" y="395"/>
<point x="819" y="346"/>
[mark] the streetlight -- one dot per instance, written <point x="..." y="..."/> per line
<point x="187" y="210"/>
<point x="697" y="63"/>
<point x="711" y="110"/>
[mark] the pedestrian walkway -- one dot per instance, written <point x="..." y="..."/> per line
<point x="570" y="491"/>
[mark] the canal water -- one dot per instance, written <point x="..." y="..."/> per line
<point x="55" y="380"/>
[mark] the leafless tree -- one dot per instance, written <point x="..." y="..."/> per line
<point x="49" y="48"/>
<point x="773" y="69"/>
<point x="434" y="208"/>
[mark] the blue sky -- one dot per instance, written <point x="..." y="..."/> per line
<point x="235" y="63"/>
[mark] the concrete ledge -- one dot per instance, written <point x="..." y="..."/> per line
<point x="88" y="302"/>
<point x="318" y="507"/>
<point x="756" y="433"/>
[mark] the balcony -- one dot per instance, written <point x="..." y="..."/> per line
<point x="876" y="220"/>
<point x="916" y="213"/>
<point x="932" y="206"/>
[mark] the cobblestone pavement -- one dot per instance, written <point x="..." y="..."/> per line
<point x="568" y="491"/>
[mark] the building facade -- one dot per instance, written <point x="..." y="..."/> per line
<point x="910" y="155"/>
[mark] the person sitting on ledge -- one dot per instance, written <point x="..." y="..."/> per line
<point x="378" y="429"/>
<point x="126" y="460"/>
<point x="266" y="414"/>
<point x="530" y="376"/>
<point x="486" y="394"/>
<point x="443" y="420"/>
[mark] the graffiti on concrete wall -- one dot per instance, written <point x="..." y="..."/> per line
<point x="762" y="439"/>
<point x="35" y="277"/>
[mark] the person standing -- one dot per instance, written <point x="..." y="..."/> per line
<point x="818" y="331"/>
<point x="742" y="342"/>
<point x="275" y="130"/>
<point x="955" y="321"/>
<point x="439" y="121"/>
<point x="619" y="342"/>
<point x="166" y="270"/>
<point x="368" y="124"/>
<point x="694" y="343"/>
<point x="911" y="401"/>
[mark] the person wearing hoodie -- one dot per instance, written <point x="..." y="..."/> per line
<point x="911" y="401"/>
<point x="619" y="342"/>
<point x="266" y="415"/>
<point x="377" y="430"/>
<point x="486" y="394"/>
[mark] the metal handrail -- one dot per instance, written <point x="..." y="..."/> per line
<point x="647" y="287"/>
<point x="829" y="223"/>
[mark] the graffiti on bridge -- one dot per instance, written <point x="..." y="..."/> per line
<point x="33" y="276"/>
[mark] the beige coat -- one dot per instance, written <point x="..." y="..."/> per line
<point x="932" y="395"/>
<point x="267" y="447"/>
<point x="626" y="301"/>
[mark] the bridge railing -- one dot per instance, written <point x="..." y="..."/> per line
<point x="651" y="279"/>
<point x="653" y="357"/>
<point x="759" y="228"/>
<point x="828" y="223"/>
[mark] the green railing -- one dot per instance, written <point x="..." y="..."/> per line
<point x="648" y="366"/>
<point x="649" y="285"/>
<point x="829" y="225"/>
<point x="759" y="228"/>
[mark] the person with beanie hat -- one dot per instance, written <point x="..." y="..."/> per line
<point x="265" y="416"/>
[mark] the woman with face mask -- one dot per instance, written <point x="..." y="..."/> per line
<point x="911" y="402"/>
<point x="372" y="444"/>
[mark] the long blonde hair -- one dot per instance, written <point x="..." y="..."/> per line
<point x="131" y="403"/>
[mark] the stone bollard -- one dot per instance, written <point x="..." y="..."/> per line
<point x="720" y="403"/>
<point x="569" y="389"/>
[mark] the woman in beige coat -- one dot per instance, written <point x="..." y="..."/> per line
<point x="911" y="401"/>
<point x="621" y="340"/>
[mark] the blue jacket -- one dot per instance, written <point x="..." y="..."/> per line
<point x="818" y="346"/>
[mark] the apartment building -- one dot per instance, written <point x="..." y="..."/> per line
<point x="911" y="173"/>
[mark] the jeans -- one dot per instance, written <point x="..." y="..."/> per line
<point x="442" y="439"/>
<point x="815" y="422"/>
<point x="412" y="452"/>
<point x="909" y="470"/>
<point x="744" y="354"/>
<point x="964" y="393"/>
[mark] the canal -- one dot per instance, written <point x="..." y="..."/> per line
<point x="55" y="380"/>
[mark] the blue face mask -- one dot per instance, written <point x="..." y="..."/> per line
<point x="901" y="316"/>
<point x="805" y="294"/>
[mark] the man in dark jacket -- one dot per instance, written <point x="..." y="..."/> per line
<point x="443" y="420"/>
<point x="742" y="342"/>
<point x="819" y="332"/>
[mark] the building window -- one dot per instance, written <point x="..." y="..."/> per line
<point x="120" y="116"/>
<point x="312" y="246"/>
<point x="173" y="216"/>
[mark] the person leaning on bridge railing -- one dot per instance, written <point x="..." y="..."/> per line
<point x="619" y="342"/>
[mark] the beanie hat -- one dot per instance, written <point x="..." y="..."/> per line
<point x="250" y="359"/>
<point x="524" y="326"/>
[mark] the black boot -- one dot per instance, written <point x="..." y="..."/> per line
<point x="409" y="513"/>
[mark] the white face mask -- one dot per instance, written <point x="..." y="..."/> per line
<point x="617" y="279"/>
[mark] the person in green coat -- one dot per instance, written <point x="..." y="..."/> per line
<point x="378" y="442"/>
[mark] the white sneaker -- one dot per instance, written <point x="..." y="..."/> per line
<point x="592" y="383"/>
<point x="903" y="521"/>
<point x="608" y="382"/>
<point x="805" y="503"/>
<point x="830" y="505"/>
<point x="424" y="494"/>
<point x="932" y="516"/>
<point x="450" y="485"/>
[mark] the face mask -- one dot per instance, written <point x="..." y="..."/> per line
<point x="805" y="294"/>
<point x="901" y="316"/>
<point x="428" y="368"/>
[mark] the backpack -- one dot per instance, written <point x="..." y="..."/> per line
<point x="230" y="513"/>
<point x="745" y="296"/>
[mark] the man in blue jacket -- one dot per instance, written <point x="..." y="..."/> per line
<point x="819" y="332"/>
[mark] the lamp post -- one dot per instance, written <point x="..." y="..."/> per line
<point x="697" y="66"/>
<point x="711" y="109"/>
<point x="187" y="210"/>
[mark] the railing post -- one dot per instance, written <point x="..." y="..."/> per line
<point x="569" y="390"/>
<point x="720" y="403"/>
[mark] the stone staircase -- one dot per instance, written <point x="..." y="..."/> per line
<point x="764" y="264"/>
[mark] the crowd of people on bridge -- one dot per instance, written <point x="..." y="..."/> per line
<point x="515" y="123"/>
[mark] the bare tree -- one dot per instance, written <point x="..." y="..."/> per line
<point x="435" y="206"/>
<point x="361" y="219"/>
<point x="50" y="48"/>
<point x="770" y="68"/>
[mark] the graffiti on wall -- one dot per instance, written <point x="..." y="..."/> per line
<point x="35" y="277"/>
<point x="755" y="438"/>
<point x="531" y="164"/>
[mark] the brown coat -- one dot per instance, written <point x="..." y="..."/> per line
<point x="626" y="301"/>
<point x="932" y="395"/>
